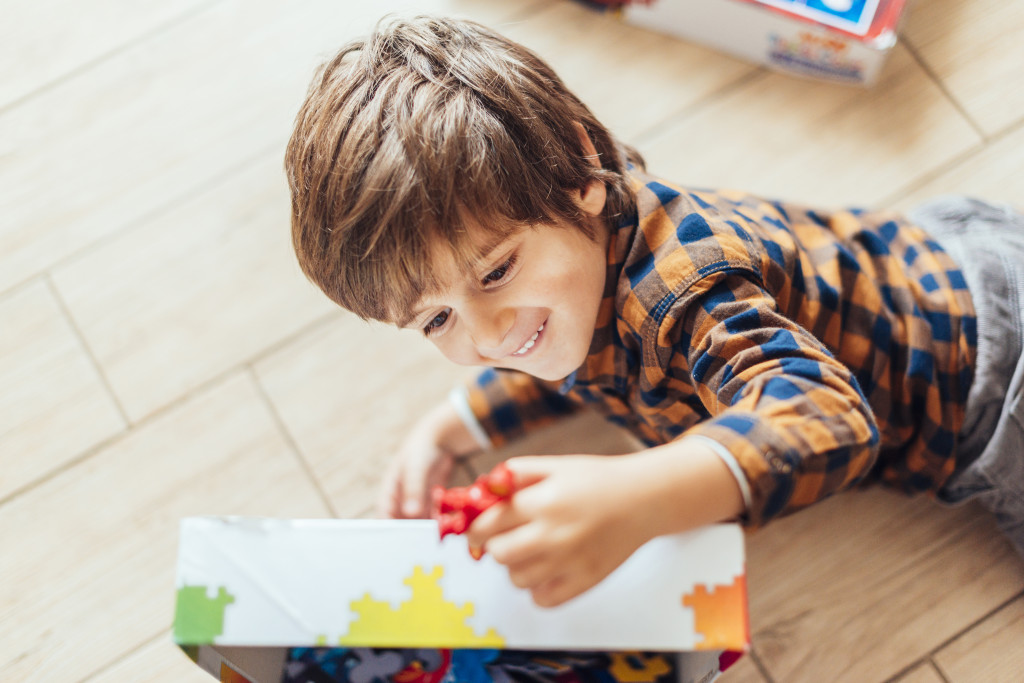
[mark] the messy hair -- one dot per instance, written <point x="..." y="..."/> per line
<point x="425" y="127"/>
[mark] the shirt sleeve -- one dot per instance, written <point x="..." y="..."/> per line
<point x="506" y="404"/>
<point x="792" y="416"/>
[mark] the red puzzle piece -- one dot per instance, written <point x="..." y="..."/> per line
<point x="457" y="507"/>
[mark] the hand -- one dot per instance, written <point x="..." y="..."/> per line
<point x="571" y="522"/>
<point x="424" y="460"/>
<point x="573" y="519"/>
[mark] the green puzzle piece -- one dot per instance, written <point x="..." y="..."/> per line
<point x="199" y="619"/>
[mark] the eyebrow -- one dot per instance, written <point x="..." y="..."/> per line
<point x="484" y="254"/>
<point x="407" y="318"/>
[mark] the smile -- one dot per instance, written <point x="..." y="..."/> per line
<point x="529" y="343"/>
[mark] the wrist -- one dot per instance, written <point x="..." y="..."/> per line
<point x="459" y="400"/>
<point x="446" y="428"/>
<point x="685" y="484"/>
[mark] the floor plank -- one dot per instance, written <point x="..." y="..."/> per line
<point x="171" y="304"/>
<point x="348" y="393"/>
<point x="823" y="583"/>
<point x="992" y="651"/>
<point x="92" y="577"/>
<point x="53" y="404"/>
<point x="160" y="661"/>
<point x="995" y="173"/>
<point x="42" y="41"/>
<point x="632" y="79"/>
<point x="976" y="51"/>
<point x="822" y="144"/>
<point x="923" y="673"/>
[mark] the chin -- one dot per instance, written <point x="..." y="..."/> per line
<point x="546" y="376"/>
<point x="556" y="373"/>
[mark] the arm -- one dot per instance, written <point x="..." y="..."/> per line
<point x="508" y="405"/>
<point x="791" y="416"/>
<point x="498" y="407"/>
<point x="424" y="460"/>
<point x="574" y="519"/>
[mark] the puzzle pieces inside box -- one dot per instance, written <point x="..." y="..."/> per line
<point x="457" y="507"/>
<point x="427" y="665"/>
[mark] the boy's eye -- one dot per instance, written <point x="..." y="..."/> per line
<point x="437" y="321"/>
<point x="501" y="271"/>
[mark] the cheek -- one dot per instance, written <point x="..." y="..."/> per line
<point x="456" y="350"/>
<point x="580" y="288"/>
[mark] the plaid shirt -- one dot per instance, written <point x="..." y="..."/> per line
<point x="820" y="349"/>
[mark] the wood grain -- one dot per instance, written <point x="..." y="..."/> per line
<point x="159" y="661"/>
<point x="632" y="78"/>
<point x="198" y="289"/>
<point x="92" y="577"/>
<point x="976" y="51"/>
<point x="53" y="404"/>
<point x="822" y="144"/>
<point x="44" y="41"/>
<point x="991" y="651"/>
<point x="994" y="173"/>
<point x="857" y="587"/>
<point x="349" y="392"/>
<point x="923" y="673"/>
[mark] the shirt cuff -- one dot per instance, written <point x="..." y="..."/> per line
<point x="459" y="398"/>
<point x="730" y="461"/>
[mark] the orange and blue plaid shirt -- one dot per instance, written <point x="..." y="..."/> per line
<point x="820" y="350"/>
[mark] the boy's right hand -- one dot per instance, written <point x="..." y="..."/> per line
<point x="424" y="461"/>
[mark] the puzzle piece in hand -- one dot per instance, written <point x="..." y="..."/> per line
<point x="457" y="507"/>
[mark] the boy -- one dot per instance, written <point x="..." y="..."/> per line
<point x="768" y="355"/>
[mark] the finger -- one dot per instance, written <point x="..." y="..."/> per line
<point x="524" y="545"/>
<point x="493" y="521"/>
<point x="527" y="470"/>
<point x="521" y="544"/>
<point x="390" y="495"/>
<point x="412" y="494"/>
<point x="532" y="573"/>
<point x="421" y="476"/>
<point x="554" y="592"/>
<point x="389" y="505"/>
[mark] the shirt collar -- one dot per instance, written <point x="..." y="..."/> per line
<point x="601" y="363"/>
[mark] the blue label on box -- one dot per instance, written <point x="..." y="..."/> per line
<point x="853" y="16"/>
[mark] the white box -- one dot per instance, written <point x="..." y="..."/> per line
<point x="250" y="590"/>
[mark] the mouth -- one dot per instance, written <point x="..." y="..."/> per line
<point x="530" y="343"/>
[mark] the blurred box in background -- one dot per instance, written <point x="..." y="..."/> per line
<point x="845" y="41"/>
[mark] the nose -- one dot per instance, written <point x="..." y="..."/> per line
<point x="488" y="329"/>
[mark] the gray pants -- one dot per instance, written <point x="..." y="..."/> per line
<point x="988" y="244"/>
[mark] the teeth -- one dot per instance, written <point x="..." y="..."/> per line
<point x="530" y="342"/>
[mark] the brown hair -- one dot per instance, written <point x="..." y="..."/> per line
<point x="408" y="135"/>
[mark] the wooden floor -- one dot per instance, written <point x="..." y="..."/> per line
<point x="161" y="356"/>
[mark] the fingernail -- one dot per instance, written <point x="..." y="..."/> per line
<point x="475" y="552"/>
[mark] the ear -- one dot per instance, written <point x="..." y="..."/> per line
<point x="592" y="197"/>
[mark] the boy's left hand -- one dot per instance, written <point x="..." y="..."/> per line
<point x="571" y="522"/>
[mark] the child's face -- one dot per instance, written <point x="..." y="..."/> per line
<point x="530" y="304"/>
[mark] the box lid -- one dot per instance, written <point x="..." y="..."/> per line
<point x="390" y="583"/>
